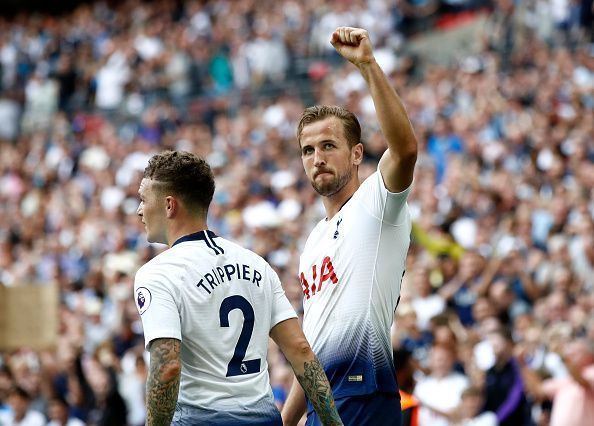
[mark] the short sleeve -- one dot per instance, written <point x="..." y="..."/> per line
<point x="281" y="307"/>
<point x="155" y="300"/>
<point x="389" y="207"/>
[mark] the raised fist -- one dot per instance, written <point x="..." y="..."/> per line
<point x="353" y="44"/>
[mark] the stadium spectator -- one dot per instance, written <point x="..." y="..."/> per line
<point x="20" y="414"/>
<point x="405" y="369"/>
<point x="6" y="383"/>
<point x="439" y="393"/>
<point x="58" y="414"/>
<point x="573" y="401"/>
<point x="470" y="412"/>
<point x="505" y="393"/>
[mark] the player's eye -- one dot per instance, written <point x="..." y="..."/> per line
<point x="307" y="150"/>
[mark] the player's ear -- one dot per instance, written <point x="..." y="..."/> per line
<point x="171" y="206"/>
<point x="357" y="154"/>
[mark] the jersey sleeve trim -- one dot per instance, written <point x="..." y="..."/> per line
<point x="158" y="334"/>
<point x="404" y="192"/>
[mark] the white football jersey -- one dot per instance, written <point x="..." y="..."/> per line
<point x="220" y="300"/>
<point x="350" y="271"/>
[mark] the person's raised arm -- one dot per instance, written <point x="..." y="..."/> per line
<point x="398" y="162"/>
<point x="162" y="385"/>
<point x="309" y="372"/>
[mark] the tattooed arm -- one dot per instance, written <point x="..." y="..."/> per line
<point x="309" y="372"/>
<point x="163" y="381"/>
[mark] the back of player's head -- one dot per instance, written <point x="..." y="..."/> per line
<point x="184" y="175"/>
<point x="352" y="128"/>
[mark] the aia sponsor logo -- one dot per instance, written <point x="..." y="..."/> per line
<point x="319" y="277"/>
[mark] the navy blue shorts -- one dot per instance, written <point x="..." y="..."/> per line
<point x="374" y="409"/>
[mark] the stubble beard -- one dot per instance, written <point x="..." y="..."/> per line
<point x="330" y="188"/>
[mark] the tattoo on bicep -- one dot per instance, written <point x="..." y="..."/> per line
<point x="162" y="385"/>
<point x="317" y="388"/>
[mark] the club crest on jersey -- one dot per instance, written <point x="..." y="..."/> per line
<point x="326" y="273"/>
<point x="143" y="299"/>
<point x="336" y="233"/>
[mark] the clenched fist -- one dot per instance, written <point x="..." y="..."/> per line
<point x="353" y="44"/>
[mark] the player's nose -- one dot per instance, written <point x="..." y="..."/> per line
<point x="319" y="158"/>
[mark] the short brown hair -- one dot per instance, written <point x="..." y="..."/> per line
<point x="183" y="174"/>
<point x="351" y="126"/>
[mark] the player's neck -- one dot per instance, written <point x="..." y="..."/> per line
<point x="335" y="202"/>
<point x="181" y="229"/>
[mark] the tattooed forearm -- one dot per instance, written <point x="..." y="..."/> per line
<point x="162" y="385"/>
<point x="317" y="388"/>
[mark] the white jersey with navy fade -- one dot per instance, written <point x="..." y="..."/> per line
<point x="351" y="270"/>
<point x="220" y="300"/>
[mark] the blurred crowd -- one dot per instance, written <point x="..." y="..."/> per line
<point x="496" y="318"/>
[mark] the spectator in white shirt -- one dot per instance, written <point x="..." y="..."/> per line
<point x="20" y="415"/>
<point x="440" y="392"/>
<point x="469" y="412"/>
<point x="426" y="304"/>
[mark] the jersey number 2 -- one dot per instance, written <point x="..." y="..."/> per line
<point x="238" y="366"/>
